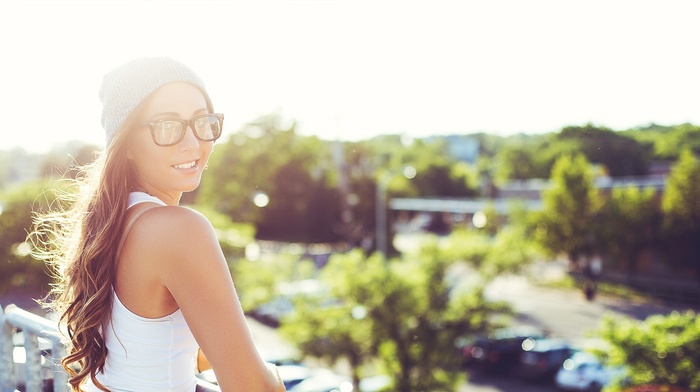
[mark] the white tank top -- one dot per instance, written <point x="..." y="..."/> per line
<point x="146" y="354"/>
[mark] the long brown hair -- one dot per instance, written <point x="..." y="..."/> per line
<point x="80" y="242"/>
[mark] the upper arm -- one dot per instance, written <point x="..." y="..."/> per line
<point x="195" y="272"/>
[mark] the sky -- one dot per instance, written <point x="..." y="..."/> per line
<point x="354" y="69"/>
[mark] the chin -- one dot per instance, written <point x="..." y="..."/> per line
<point x="188" y="187"/>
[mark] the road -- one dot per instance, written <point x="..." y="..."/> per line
<point x="563" y="312"/>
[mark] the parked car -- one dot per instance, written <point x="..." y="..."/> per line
<point x="280" y="355"/>
<point x="500" y="351"/>
<point x="272" y="312"/>
<point x="292" y="375"/>
<point x="584" y="372"/>
<point x="286" y="359"/>
<point x="542" y="358"/>
<point x="375" y="383"/>
<point x="299" y="378"/>
<point x="324" y="381"/>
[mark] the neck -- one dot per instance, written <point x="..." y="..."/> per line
<point x="136" y="188"/>
<point x="171" y="199"/>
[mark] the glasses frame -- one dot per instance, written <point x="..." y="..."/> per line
<point x="185" y="124"/>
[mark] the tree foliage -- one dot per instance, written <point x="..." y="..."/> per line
<point x="258" y="281"/>
<point x="682" y="211"/>
<point x="410" y="315"/>
<point x="408" y="312"/>
<point x="321" y="191"/>
<point x="570" y="208"/>
<point x="667" y="142"/>
<point x="659" y="350"/>
<point x="518" y="162"/>
<point x="17" y="267"/>
<point x="292" y="171"/>
<point x="619" y="154"/>
<point x="630" y="219"/>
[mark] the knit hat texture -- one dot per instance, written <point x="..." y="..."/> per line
<point x="124" y="88"/>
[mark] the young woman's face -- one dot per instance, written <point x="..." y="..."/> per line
<point x="168" y="171"/>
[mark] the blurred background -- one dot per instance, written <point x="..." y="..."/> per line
<point x="412" y="196"/>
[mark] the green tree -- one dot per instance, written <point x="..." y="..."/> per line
<point x="621" y="155"/>
<point x="682" y="211"/>
<point x="570" y="208"/>
<point x="518" y="163"/>
<point x="406" y="312"/>
<point x="233" y="237"/>
<point x="438" y="174"/>
<point x="630" y="217"/>
<point x="511" y="252"/>
<point x="335" y="333"/>
<point x="258" y="281"/>
<point x="17" y="267"/>
<point x="666" y="142"/>
<point x="294" y="172"/>
<point x="358" y="218"/>
<point x="659" y="350"/>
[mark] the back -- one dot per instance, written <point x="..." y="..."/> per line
<point x="147" y="354"/>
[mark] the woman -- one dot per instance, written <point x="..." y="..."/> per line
<point x="143" y="284"/>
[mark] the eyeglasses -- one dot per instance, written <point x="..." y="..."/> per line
<point x="169" y="132"/>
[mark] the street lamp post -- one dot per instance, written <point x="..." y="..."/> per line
<point x="380" y="212"/>
<point x="381" y="225"/>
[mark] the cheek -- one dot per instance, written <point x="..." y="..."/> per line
<point x="206" y="149"/>
<point x="147" y="158"/>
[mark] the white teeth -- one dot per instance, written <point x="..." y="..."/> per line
<point x="185" y="165"/>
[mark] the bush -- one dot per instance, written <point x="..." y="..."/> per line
<point x="17" y="267"/>
<point x="661" y="350"/>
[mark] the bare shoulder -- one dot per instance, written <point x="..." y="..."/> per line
<point x="174" y="231"/>
<point x="171" y="217"/>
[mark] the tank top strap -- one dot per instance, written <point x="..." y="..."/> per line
<point x="142" y="197"/>
<point x="129" y="225"/>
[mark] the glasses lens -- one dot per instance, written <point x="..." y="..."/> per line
<point x="208" y="128"/>
<point x="167" y="132"/>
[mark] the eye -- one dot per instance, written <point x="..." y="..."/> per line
<point x="167" y="131"/>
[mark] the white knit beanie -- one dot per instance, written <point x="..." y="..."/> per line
<point x="124" y="88"/>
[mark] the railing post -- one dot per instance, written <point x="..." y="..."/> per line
<point x="32" y="366"/>
<point x="33" y="327"/>
<point x="60" y="376"/>
<point x="8" y="381"/>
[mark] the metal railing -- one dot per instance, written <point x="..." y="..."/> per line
<point x="33" y="327"/>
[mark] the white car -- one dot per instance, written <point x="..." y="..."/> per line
<point x="324" y="381"/>
<point x="584" y="372"/>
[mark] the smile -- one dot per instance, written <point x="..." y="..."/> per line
<point x="186" y="165"/>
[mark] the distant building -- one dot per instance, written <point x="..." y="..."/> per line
<point x="463" y="148"/>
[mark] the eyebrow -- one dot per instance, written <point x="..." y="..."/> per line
<point x="175" y="114"/>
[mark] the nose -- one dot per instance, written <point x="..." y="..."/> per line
<point x="189" y="142"/>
